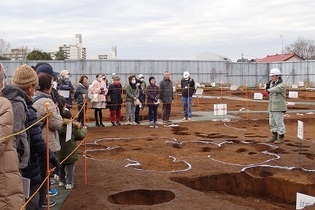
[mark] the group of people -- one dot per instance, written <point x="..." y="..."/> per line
<point x="22" y="104"/>
<point x="138" y="94"/>
<point x="23" y="142"/>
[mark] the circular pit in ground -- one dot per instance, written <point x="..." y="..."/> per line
<point x="141" y="197"/>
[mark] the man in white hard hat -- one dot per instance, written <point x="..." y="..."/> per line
<point x="277" y="106"/>
<point x="188" y="89"/>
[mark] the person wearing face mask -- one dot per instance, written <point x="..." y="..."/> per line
<point x="132" y="94"/>
<point x="99" y="89"/>
<point x="188" y="89"/>
<point x="65" y="85"/>
<point x="140" y="83"/>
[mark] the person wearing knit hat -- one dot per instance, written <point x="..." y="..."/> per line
<point x="153" y="101"/>
<point x="24" y="77"/>
<point x="20" y="93"/>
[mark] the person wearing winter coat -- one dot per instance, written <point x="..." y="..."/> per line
<point x="55" y="120"/>
<point x="42" y="96"/>
<point x="66" y="172"/>
<point x="98" y="99"/>
<point x="115" y="101"/>
<point x="132" y="94"/>
<point x="153" y="95"/>
<point x="11" y="188"/>
<point x="64" y="84"/>
<point x="24" y="84"/>
<point x="167" y="97"/>
<point x="82" y="89"/>
<point x="46" y="68"/>
<point x="188" y="89"/>
<point x="277" y="106"/>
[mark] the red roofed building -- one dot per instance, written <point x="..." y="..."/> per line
<point x="280" y="58"/>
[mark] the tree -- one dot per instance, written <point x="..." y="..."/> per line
<point x="4" y="46"/>
<point x="38" y="55"/>
<point x="4" y="58"/>
<point x="60" y="55"/>
<point x="303" y="47"/>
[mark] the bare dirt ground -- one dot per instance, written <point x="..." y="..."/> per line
<point x="199" y="164"/>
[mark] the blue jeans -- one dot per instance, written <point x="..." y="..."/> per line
<point x="186" y="101"/>
<point x="153" y="113"/>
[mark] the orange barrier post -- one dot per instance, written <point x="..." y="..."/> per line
<point x="47" y="154"/>
<point x="85" y="149"/>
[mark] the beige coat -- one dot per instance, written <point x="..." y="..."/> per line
<point x="55" y="120"/>
<point x="11" y="188"/>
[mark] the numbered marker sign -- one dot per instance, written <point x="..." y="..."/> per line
<point x="220" y="109"/>
<point x="293" y="94"/>
<point x="303" y="200"/>
<point x="300" y="130"/>
<point x="258" y="96"/>
<point x="199" y="91"/>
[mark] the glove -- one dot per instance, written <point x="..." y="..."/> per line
<point x="265" y="93"/>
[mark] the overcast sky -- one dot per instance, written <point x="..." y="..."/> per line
<point x="159" y="29"/>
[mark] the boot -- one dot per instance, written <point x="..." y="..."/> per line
<point x="273" y="138"/>
<point x="280" y="140"/>
<point x="96" y="118"/>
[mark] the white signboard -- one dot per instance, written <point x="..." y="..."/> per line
<point x="64" y="93"/>
<point x="69" y="132"/>
<point x="303" y="200"/>
<point x="295" y="86"/>
<point x="300" y="130"/>
<point x="293" y="94"/>
<point x="233" y="87"/>
<point x="301" y="84"/>
<point x="258" y="96"/>
<point x="199" y="91"/>
<point x="220" y="109"/>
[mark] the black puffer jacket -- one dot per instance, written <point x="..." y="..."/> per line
<point x="37" y="148"/>
<point x="114" y="94"/>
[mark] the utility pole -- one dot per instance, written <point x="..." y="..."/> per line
<point x="281" y="36"/>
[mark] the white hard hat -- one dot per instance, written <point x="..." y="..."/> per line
<point x="274" y="71"/>
<point x="186" y="74"/>
<point x="140" y="76"/>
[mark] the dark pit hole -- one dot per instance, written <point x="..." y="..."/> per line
<point x="252" y="153"/>
<point x="264" y="186"/>
<point x="141" y="197"/>
<point x="206" y="149"/>
<point x="240" y="150"/>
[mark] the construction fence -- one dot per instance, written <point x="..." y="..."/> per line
<point x="204" y="72"/>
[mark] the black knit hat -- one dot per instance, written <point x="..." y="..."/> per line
<point x="150" y="78"/>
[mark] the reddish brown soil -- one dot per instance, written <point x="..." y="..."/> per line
<point x="199" y="164"/>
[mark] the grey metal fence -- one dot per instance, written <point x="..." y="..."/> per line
<point x="240" y="74"/>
